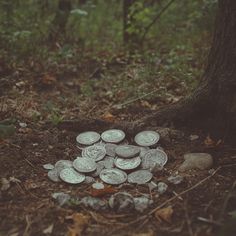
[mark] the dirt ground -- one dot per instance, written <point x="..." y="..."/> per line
<point x="200" y="204"/>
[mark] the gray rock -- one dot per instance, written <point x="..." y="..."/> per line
<point x="152" y="185"/>
<point x="142" y="203"/>
<point x="121" y="202"/>
<point x="202" y="161"/>
<point x="61" y="198"/>
<point x="176" y="179"/>
<point x="161" y="187"/>
<point x="94" y="203"/>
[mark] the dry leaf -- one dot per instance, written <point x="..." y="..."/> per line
<point x="49" y="229"/>
<point x="208" y="141"/>
<point x="164" y="214"/>
<point x="80" y="223"/>
<point x="102" y="192"/>
<point x="108" y="117"/>
<point x="48" y="79"/>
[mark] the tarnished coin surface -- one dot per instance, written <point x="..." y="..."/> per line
<point x="84" y="164"/>
<point x="95" y="152"/>
<point x="113" y="176"/>
<point x="143" y="151"/>
<point x="62" y="164"/>
<point x="127" y="151"/>
<point x="154" y="157"/>
<point x="127" y="164"/>
<point x="113" y="136"/>
<point x="88" y="138"/>
<point x="108" y="162"/>
<point x="110" y="149"/>
<point x="71" y="176"/>
<point x="53" y="175"/>
<point x="147" y="138"/>
<point x="140" y="177"/>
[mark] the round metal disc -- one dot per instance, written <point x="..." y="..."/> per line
<point x="84" y="165"/>
<point x="143" y="151"/>
<point x="140" y="177"/>
<point x="88" y="138"/>
<point x="147" y="138"/>
<point x="113" y="136"/>
<point x="110" y="149"/>
<point x="62" y="164"/>
<point x="127" y="151"/>
<point x="71" y="176"/>
<point x="113" y="176"/>
<point x="154" y="157"/>
<point x="127" y="164"/>
<point x="95" y="152"/>
<point x="53" y="175"/>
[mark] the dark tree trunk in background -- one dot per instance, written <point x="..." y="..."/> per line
<point x="60" y="20"/>
<point x="215" y="98"/>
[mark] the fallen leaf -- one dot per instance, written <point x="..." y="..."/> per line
<point x="80" y="223"/>
<point x="208" y="141"/>
<point x="108" y="117"/>
<point x="48" y="230"/>
<point x="5" y="184"/>
<point x="164" y="214"/>
<point x="102" y="192"/>
<point x="48" y="79"/>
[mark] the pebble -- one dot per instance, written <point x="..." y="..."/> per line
<point x="53" y="175"/>
<point x="94" y="203"/>
<point x="161" y="187"/>
<point x="98" y="185"/>
<point x="61" y="198"/>
<point x="152" y="185"/>
<point x="48" y="166"/>
<point x="142" y="203"/>
<point x="176" y="179"/>
<point x="121" y="202"/>
<point x="202" y="161"/>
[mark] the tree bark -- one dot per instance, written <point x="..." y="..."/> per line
<point x="213" y="103"/>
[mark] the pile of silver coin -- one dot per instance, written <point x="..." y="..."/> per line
<point x="111" y="158"/>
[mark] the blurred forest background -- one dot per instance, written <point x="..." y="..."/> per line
<point x="158" y="47"/>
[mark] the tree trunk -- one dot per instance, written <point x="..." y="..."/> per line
<point x="215" y="98"/>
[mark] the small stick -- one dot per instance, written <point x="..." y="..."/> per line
<point x="209" y="221"/>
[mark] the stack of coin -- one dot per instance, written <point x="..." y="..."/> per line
<point x="110" y="158"/>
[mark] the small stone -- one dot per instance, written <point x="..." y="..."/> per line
<point x="48" y="166"/>
<point x="193" y="137"/>
<point x="152" y="185"/>
<point x="121" y="202"/>
<point x="22" y="124"/>
<point x="176" y="179"/>
<point x="94" y="203"/>
<point x="156" y="168"/>
<point x="98" y="185"/>
<point x="61" y="198"/>
<point x="89" y="180"/>
<point x="5" y="184"/>
<point x="161" y="187"/>
<point x="202" y="161"/>
<point x="142" y="203"/>
<point x="53" y="175"/>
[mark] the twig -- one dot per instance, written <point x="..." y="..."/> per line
<point x="28" y="224"/>
<point x="183" y="192"/>
<point x="188" y="220"/>
<point x="209" y="221"/>
<point x="135" y="99"/>
<point x="147" y="28"/>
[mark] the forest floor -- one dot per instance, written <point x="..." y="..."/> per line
<point x="200" y="203"/>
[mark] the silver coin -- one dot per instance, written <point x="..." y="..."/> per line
<point x="71" y="176"/>
<point x="108" y="162"/>
<point x="99" y="168"/>
<point x="143" y="151"/>
<point x="113" y="176"/>
<point x="154" y="157"/>
<point x="147" y="138"/>
<point x="84" y="164"/>
<point x="127" y="164"/>
<point x="48" y="166"/>
<point x="53" y="175"/>
<point x="95" y="152"/>
<point x="88" y="138"/>
<point x="113" y="136"/>
<point x="62" y="164"/>
<point x="127" y="151"/>
<point x="140" y="177"/>
<point x="110" y="149"/>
